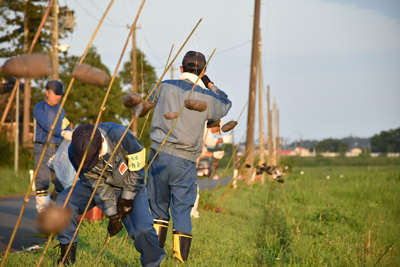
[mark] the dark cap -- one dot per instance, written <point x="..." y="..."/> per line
<point x="193" y="61"/>
<point x="211" y="123"/>
<point x="79" y="143"/>
<point x="55" y="86"/>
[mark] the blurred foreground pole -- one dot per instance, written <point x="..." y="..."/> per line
<point x="253" y="84"/>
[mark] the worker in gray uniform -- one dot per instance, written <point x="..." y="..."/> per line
<point x="172" y="176"/>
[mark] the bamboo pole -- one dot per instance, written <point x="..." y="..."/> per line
<point x="10" y="100"/>
<point x="173" y="60"/>
<point x="148" y="114"/>
<point x="95" y="128"/>
<point x="130" y="124"/>
<point x="59" y="112"/>
<point x="169" y="66"/>
<point x="26" y="199"/>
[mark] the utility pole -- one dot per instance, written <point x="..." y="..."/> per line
<point x="278" y="139"/>
<point x="253" y="84"/>
<point x="134" y="75"/>
<point x="275" y="126"/>
<point x="27" y="85"/>
<point x="269" y="129"/>
<point x="16" y="151"/>
<point x="260" y="112"/>
<point x="54" y="41"/>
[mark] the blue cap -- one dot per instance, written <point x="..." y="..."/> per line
<point x="55" y="86"/>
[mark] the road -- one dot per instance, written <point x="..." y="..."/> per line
<point x="28" y="235"/>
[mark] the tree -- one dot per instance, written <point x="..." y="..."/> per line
<point x="146" y="77"/>
<point x="19" y="23"/>
<point x="386" y="141"/>
<point x="332" y="145"/>
<point x="12" y="16"/>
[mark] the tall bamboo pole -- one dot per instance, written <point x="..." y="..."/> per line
<point x="26" y="199"/>
<point x="46" y="14"/>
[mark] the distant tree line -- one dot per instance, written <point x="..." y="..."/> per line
<point x="332" y="145"/>
<point x="386" y="141"/>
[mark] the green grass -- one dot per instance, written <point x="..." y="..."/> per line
<point x="13" y="183"/>
<point x="351" y="218"/>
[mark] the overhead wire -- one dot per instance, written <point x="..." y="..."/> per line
<point x="97" y="19"/>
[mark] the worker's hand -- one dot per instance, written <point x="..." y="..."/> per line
<point x="124" y="207"/>
<point x="218" y="154"/>
<point x="206" y="80"/>
<point x="114" y="225"/>
<point x="226" y="139"/>
<point x="67" y="134"/>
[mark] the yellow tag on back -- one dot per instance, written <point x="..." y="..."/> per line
<point x="136" y="161"/>
<point x="65" y="123"/>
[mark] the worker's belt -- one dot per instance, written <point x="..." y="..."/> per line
<point x="49" y="145"/>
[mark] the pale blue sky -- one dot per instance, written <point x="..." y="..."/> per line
<point x="333" y="65"/>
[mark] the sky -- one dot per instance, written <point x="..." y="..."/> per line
<point x="333" y="66"/>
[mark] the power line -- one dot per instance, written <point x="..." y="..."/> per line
<point x="97" y="19"/>
<point x="115" y="23"/>
<point x="232" y="48"/>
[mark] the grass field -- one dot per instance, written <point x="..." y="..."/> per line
<point x="323" y="215"/>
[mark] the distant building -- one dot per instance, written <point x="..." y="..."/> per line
<point x="355" y="152"/>
<point x="302" y="152"/>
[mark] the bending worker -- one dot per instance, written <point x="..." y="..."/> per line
<point x="121" y="193"/>
<point x="172" y="176"/>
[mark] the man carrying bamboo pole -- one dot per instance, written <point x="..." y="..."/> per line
<point x="44" y="114"/>
<point x="172" y="176"/>
<point x="121" y="192"/>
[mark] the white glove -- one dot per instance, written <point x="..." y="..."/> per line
<point x="67" y="134"/>
<point x="218" y="154"/>
<point x="226" y="139"/>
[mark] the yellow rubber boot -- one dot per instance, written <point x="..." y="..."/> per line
<point x="161" y="226"/>
<point x="182" y="243"/>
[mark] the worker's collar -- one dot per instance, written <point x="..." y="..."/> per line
<point x="193" y="78"/>
<point x="104" y="146"/>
